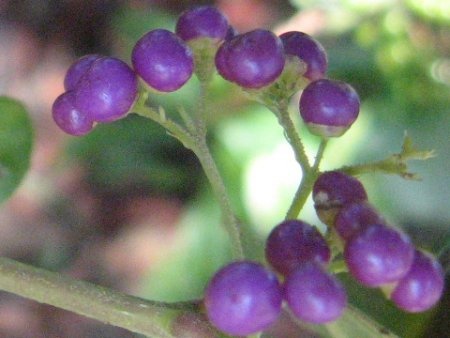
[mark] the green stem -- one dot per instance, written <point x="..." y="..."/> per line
<point x="292" y="134"/>
<point x="172" y="127"/>
<point x="212" y="172"/>
<point x="256" y="335"/>
<point x="306" y="183"/>
<point x="215" y="179"/>
<point x="395" y="164"/>
<point x="338" y="266"/>
<point x="384" y="166"/>
<point x="195" y="140"/>
<point x="138" y="315"/>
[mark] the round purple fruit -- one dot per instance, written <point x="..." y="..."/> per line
<point x="422" y="286"/>
<point x="202" y="22"/>
<point x="378" y="255"/>
<point x="107" y="90"/>
<point x="243" y="298"/>
<point x="70" y="119"/>
<point x="307" y="49"/>
<point x="292" y="243"/>
<point x="78" y="69"/>
<point x="163" y="60"/>
<point x="314" y="295"/>
<point x="252" y="60"/>
<point x="334" y="189"/>
<point x="354" y="217"/>
<point x="329" y="107"/>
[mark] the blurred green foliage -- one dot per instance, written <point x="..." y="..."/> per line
<point x="16" y="140"/>
<point x="134" y="155"/>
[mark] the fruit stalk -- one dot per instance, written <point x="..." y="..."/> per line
<point x="306" y="183"/>
<point x="138" y="315"/>
<point x="197" y="143"/>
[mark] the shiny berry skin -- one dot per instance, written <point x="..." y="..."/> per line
<point x="334" y="189"/>
<point x="309" y="51"/>
<point x="422" y="286"/>
<point x="243" y="298"/>
<point x="163" y="60"/>
<point x="378" y="255"/>
<point x="252" y="60"/>
<point x="221" y="61"/>
<point x="294" y="242"/>
<point x="313" y="295"/>
<point x="68" y="118"/>
<point x="107" y="90"/>
<point x="354" y="217"/>
<point x="78" y="69"/>
<point x="202" y="22"/>
<point x="329" y="107"/>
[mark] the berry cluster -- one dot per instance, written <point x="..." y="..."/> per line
<point x="300" y="254"/>
<point x="245" y="297"/>
<point x="103" y="89"/>
<point x="376" y="253"/>
<point x="98" y="89"/>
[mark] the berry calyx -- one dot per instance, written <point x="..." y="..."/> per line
<point x="379" y="255"/>
<point x="243" y="298"/>
<point x="329" y="107"/>
<point x="70" y="119"/>
<point x="308" y="50"/>
<point x="107" y="90"/>
<point x="292" y="243"/>
<point x="314" y="295"/>
<point x="252" y="60"/>
<point x="334" y="189"/>
<point x="423" y="285"/>
<point x="163" y="60"/>
<point x="202" y="22"/>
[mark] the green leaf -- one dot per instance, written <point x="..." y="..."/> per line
<point x="355" y="324"/>
<point x="16" y="139"/>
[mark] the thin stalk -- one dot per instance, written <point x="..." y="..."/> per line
<point x="195" y="140"/>
<point x="306" y="183"/>
<point x="292" y="135"/>
<point x="149" y="318"/>
<point x="212" y="172"/>
<point x="215" y="179"/>
<point x="173" y="128"/>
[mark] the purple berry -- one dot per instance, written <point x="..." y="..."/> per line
<point x="314" y="295"/>
<point x="252" y="60"/>
<point x="334" y="189"/>
<point x="309" y="51"/>
<point x="68" y="118"/>
<point x="243" y="298"/>
<point x="221" y="61"/>
<point x="78" y="69"/>
<point x="163" y="60"/>
<point x="294" y="242"/>
<point x="329" y="107"/>
<point x="355" y="217"/>
<point x="422" y="286"/>
<point x="378" y="255"/>
<point x="107" y="91"/>
<point x="202" y="22"/>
